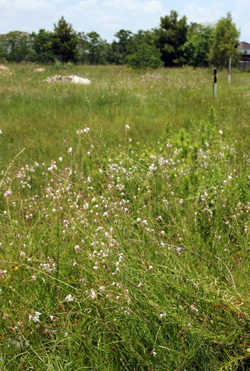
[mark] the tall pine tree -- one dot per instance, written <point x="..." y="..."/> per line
<point x="170" y="38"/>
<point x="65" y="42"/>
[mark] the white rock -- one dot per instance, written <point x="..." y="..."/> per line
<point x="80" y="80"/>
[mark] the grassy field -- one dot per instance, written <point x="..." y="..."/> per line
<point x="124" y="220"/>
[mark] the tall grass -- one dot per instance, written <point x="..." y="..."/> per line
<point x="124" y="233"/>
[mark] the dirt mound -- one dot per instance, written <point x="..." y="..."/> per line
<point x="70" y="78"/>
<point x="4" y="68"/>
<point x="39" y="70"/>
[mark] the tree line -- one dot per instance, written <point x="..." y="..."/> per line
<point x="173" y="43"/>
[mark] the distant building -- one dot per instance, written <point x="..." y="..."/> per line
<point x="244" y="49"/>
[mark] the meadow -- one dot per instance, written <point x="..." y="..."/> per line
<point x="124" y="220"/>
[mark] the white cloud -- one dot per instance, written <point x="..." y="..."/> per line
<point x="87" y="4"/>
<point x="218" y="4"/>
<point x="245" y="31"/>
<point x="196" y="13"/>
<point x="242" y="3"/>
<point x="107" y="17"/>
<point x="146" y="7"/>
<point x="86" y="17"/>
<point x="25" y="6"/>
<point x="4" y="3"/>
<point x="152" y="6"/>
<point x="59" y="1"/>
<point x="122" y="5"/>
<point x="84" y="7"/>
<point x="241" y="17"/>
<point x="26" y="15"/>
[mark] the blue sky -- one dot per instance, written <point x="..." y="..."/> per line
<point x="109" y="16"/>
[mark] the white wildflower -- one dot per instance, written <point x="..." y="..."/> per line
<point x="93" y="294"/>
<point x="193" y="308"/>
<point x="8" y="193"/>
<point x="69" y="298"/>
<point x="35" y="317"/>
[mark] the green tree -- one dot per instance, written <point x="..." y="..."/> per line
<point x="145" y="56"/>
<point x="65" y="42"/>
<point x="226" y="40"/>
<point x="97" y="48"/>
<point x="197" y="48"/>
<point x="92" y="48"/>
<point x="42" y="46"/>
<point x="120" y="49"/>
<point x="83" y="47"/>
<point x="139" y="38"/>
<point x="142" y="52"/>
<point x="114" y="56"/>
<point x="3" y="53"/>
<point x="18" y="46"/>
<point x="170" y="38"/>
